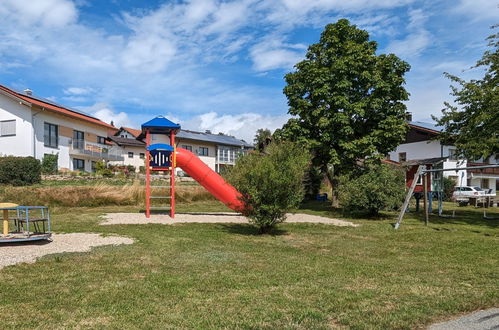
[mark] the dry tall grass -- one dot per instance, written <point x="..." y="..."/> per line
<point x="96" y="195"/>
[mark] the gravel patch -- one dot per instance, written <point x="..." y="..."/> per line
<point x="481" y="320"/>
<point x="140" y="218"/>
<point x="14" y="253"/>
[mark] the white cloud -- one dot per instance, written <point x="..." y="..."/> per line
<point x="274" y="54"/>
<point x="48" y="13"/>
<point x="242" y="126"/>
<point x="78" y="91"/>
<point x="107" y="114"/>
<point x="417" y="39"/>
<point x="478" y="10"/>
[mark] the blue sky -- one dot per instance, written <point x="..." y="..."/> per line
<point x="219" y="65"/>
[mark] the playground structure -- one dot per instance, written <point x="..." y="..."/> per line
<point x="165" y="156"/>
<point x="30" y="223"/>
<point x="432" y="179"/>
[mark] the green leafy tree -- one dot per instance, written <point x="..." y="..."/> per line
<point x="271" y="183"/>
<point x="49" y="163"/>
<point x="379" y="187"/>
<point x="347" y="101"/>
<point x="472" y="123"/>
<point x="261" y="136"/>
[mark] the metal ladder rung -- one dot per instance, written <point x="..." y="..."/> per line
<point x="160" y="208"/>
<point x="160" y="186"/>
<point x="159" y="197"/>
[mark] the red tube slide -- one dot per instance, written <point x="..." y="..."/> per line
<point x="209" y="179"/>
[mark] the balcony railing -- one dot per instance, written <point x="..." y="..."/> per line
<point x="81" y="147"/>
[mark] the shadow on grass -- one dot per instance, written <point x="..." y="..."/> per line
<point x="325" y="208"/>
<point x="468" y="217"/>
<point x="249" y="230"/>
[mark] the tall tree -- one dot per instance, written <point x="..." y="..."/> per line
<point x="347" y="101"/>
<point x="472" y="123"/>
<point x="261" y="136"/>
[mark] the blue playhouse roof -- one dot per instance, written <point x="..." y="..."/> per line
<point x="160" y="125"/>
<point x="160" y="146"/>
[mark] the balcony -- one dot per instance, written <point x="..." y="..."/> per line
<point x="83" y="148"/>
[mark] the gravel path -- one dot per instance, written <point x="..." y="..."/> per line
<point x="14" y="253"/>
<point x="481" y="320"/>
<point x="139" y="218"/>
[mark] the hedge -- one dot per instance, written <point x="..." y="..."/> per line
<point x="19" y="171"/>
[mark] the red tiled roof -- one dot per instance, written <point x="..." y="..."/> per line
<point x="133" y="131"/>
<point x="388" y="161"/>
<point x="57" y="109"/>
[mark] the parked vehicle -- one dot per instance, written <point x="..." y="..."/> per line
<point x="463" y="194"/>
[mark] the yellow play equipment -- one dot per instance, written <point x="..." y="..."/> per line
<point x="30" y="223"/>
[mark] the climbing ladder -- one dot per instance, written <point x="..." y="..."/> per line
<point x="160" y="157"/>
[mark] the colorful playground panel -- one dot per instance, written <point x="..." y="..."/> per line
<point x="165" y="157"/>
<point x="29" y="223"/>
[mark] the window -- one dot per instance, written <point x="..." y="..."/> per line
<point x="203" y="151"/>
<point x="78" y="164"/>
<point x="130" y="154"/>
<point x="142" y="155"/>
<point x="402" y="157"/>
<point x="78" y="139"/>
<point x="51" y="135"/>
<point x="8" y="127"/>
<point x="93" y="164"/>
<point x="101" y="140"/>
<point x="223" y="154"/>
<point x="186" y="147"/>
<point x="452" y="154"/>
<point x="420" y="180"/>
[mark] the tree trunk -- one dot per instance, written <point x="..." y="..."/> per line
<point x="333" y="182"/>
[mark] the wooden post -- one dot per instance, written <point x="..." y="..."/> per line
<point x="172" y="175"/>
<point x="425" y="189"/>
<point x="408" y="196"/>
<point x="5" y="222"/>
<point x="148" y="175"/>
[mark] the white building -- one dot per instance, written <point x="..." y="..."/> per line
<point x="420" y="144"/>
<point x="215" y="150"/>
<point x="34" y="126"/>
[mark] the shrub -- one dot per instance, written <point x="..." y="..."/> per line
<point x="271" y="183"/>
<point x="101" y="169"/>
<point x="378" y="187"/>
<point x="312" y="182"/>
<point x="19" y="171"/>
<point x="49" y="163"/>
<point x="449" y="185"/>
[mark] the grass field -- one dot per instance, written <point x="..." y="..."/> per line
<point x="224" y="275"/>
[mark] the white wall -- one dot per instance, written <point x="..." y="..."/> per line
<point x="417" y="150"/>
<point x="136" y="161"/>
<point x="65" y="159"/>
<point x="22" y="143"/>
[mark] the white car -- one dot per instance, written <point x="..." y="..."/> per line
<point x="463" y="194"/>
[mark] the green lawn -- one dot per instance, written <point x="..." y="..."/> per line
<point x="224" y="275"/>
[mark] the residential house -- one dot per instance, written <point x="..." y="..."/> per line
<point x="420" y="146"/>
<point x="34" y="126"/>
<point x="216" y="150"/>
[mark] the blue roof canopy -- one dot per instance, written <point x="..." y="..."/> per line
<point x="160" y="146"/>
<point x="160" y="125"/>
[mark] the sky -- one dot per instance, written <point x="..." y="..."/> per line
<point x="220" y="65"/>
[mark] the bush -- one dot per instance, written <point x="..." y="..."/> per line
<point x="49" y="163"/>
<point x="312" y="182"/>
<point x="19" y="171"/>
<point x="101" y="169"/>
<point x="271" y="183"/>
<point x="449" y="185"/>
<point x="378" y="187"/>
